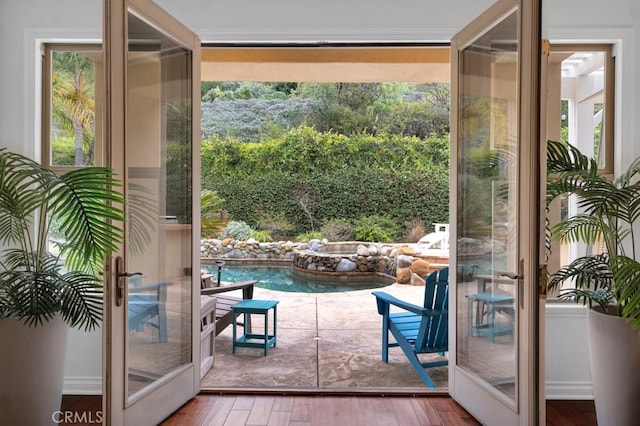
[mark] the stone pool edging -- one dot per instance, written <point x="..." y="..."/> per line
<point x="397" y="261"/>
<point x="255" y="250"/>
<point x="369" y="259"/>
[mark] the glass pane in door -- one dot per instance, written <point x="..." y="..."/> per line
<point x="487" y="207"/>
<point x="158" y="167"/>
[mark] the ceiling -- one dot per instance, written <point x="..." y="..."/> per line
<point x="326" y="64"/>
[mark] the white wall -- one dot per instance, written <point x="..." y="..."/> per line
<point x="617" y="22"/>
<point x="567" y="371"/>
<point x="23" y="23"/>
<point x="327" y="20"/>
<point x="83" y="364"/>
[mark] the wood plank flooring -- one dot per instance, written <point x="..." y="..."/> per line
<point x="231" y="410"/>
<point x="570" y="413"/>
<point x="273" y="410"/>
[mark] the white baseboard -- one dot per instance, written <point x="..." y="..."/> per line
<point x="79" y="385"/>
<point x="568" y="390"/>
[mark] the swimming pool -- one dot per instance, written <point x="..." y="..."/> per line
<point x="283" y="278"/>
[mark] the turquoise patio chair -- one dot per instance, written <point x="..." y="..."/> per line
<point x="418" y="329"/>
<point x="146" y="307"/>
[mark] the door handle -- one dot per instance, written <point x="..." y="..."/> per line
<point x="121" y="279"/>
<point x="511" y="275"/>
<point x="520" y="277"/>
<point x="128" y="274"/>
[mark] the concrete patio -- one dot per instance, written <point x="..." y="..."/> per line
<point x="325" y="341"/>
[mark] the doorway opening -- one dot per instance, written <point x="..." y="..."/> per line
<point x="356" y="98"/>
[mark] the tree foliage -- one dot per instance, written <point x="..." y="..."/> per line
<point x="252" y="119"/>
<point x="253" y="111"/>
<point x="73" y="103"/>
<point x="309" y="178"/>
<point x="291" y="158"/>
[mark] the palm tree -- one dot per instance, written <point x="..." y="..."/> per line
<point x="211" y="217"/>
<point x="73" y="101"/>
<point x="37" y="282"/>
<point x="609" y="212"/>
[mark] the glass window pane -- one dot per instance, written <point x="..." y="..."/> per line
<point x="487" y="207"/>
<point x="72" y="108"/>
<point x="159" y="175"/>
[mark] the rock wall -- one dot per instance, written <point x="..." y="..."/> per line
<point x="401" y="262"/>
<point x="252" y="249"/>
<point x="412" y="268"/>
<point x="372" y="258"/>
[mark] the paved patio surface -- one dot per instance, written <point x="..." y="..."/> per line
<point x="325" y="341"/>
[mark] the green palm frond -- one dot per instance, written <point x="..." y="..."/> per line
<point x="627" y="282"/>
<point x="589" y="297"/>
<point x="80" y="299"/>
<point x="587" y="272"/>
<point x="610" y="210"/>
<point x="30" y="285"/>
<point x="625" y="203"/>
<point x="73" y="98"/>
<point x="211" y="220"/>
<point x="36" y="285"/>
<point x="21" y="194"/>
<point x="567" y="158"/>
<point x="585" y="228"/>
<point x="142" y="217"/>
<point x="82" y="199"/>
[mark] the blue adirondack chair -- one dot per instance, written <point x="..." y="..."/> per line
<point x="147" y="308"/>
<point x="418" y="329"/>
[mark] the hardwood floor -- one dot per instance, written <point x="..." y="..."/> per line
<point x="236" y="410"/>
<point x="319" y="410"/>
<point x="570" y="413"/>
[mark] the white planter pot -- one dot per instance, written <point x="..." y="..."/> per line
<point x="614" y="350"/>
<point x="31" y="371"/>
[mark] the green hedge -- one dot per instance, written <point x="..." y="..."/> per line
<point x="304" y="150"/>
<point x="312" y="177"/>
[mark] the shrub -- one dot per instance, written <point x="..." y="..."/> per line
<point x="337" y="230"/>
<point x="276" y="224"/>
<point x="375" y="228"/>
<point x="238" y="230"/>
<point x="308" y="236"/>
<point x="248" y="119"/>
<point x="415" y="230"/>
<point x="289" y="185"/>
<point x="261" y="235"/>
<point x="63" y="151"/>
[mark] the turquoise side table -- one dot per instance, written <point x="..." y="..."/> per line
<point x="493" y="302"/>
<point x="255" y="340"/>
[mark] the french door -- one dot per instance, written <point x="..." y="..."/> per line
<point x="152" y="82"/>
<point x="496" y="208"/>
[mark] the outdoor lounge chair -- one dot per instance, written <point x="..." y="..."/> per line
<point x="146" y="307"/>
<point x="418" y="329"/>
<point x="224" y="313"/>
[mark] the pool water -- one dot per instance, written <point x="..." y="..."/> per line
<point x="282" y="278"/>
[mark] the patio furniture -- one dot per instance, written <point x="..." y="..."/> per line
<point x="418" y="329"/>
<point x="488" y="304"/>
<point x="207" y="333"/>
<point x="146" y="307"/>
<point x="489" y="284"/>
<point x="255" y="340"/>
<point x="224" y="302"/>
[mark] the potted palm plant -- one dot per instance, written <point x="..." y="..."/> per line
<point x="607" y="282"/>
<point x="47" y="287"/>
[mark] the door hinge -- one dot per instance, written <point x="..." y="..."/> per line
<point x="546" y="47"/>
<point x="543" y="281"/>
